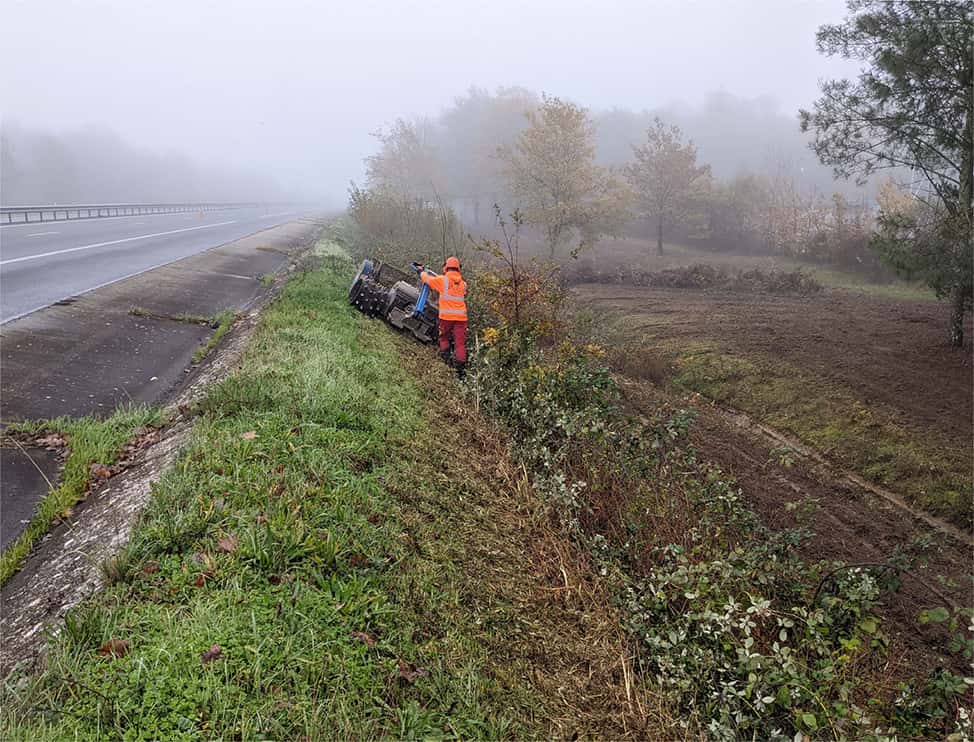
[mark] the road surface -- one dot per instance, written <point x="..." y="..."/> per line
<point x="44" y="262"/>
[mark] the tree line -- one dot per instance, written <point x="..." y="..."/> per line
<point x="563" y="168"/>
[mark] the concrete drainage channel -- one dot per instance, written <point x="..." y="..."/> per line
<point x="131" y="341"/>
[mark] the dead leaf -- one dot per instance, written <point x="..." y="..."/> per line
<point x="200" y="580"/>
<point x="410" y="672"/>
<point x="100" y="471"/>
<point x="228" y="544"/>
<point x="114" y="648"/>
<point x="150" y="568"/>
<point x="363" y="637"/>
<point x="52" y="442"/>
<point x="208" y="655"/>
<point x="249" y="435"/>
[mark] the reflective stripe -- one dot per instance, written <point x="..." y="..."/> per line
<point x="451" y="307"/>
<point x="446" y="291"/>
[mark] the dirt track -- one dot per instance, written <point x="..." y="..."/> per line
<point x="848" y="523"/>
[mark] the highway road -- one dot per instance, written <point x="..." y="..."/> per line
<point x="44" y="262"/>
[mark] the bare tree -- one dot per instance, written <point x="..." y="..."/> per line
<point x="406" y="162"/>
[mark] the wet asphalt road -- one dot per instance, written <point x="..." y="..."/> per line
<point x="44" y="262"/>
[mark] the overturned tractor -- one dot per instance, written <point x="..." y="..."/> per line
<point x="381" y="290"/>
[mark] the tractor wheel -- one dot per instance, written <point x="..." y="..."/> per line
<point x="371" y="298"/>
<point x="355" y="289"/>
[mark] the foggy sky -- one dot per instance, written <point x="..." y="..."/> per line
<point x="293" y="88"/>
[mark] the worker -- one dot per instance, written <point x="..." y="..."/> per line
<point x="453" y="311"/>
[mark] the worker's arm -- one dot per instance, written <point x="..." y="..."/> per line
<point x="428" y="277"/>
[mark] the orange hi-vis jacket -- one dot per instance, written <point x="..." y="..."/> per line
<point x="452" y="290"/>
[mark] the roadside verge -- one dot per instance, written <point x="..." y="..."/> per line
<point x="343" y="550"/>
<point x="99" y="358"/>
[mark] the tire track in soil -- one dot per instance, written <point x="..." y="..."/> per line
<point x="849" y="522"/>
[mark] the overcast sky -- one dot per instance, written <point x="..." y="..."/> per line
<point x="295" y="86"/>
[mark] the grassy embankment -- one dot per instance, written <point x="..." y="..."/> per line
<point x="89" y="441"/>
<point x="342" y="551"/>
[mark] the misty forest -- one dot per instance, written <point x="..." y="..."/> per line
<point x="389" y="384"/>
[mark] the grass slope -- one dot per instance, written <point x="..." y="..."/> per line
<point x="343" y="551"/>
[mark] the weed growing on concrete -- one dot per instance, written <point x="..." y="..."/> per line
<point x="224" y="321"/>
<point x="91" y="443"/>
<point x="191" y="319"/>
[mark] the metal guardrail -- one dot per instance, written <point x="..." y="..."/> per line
<point x="59" y="212"/>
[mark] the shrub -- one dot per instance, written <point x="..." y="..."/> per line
<point x="401" y="229"/>
<point x="734" y="625"/>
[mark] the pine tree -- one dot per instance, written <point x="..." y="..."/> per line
<point x="911" y="109"/>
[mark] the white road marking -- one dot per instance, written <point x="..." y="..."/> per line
<point x="41" y="234"/>
<point x="271" y="216"/>
<point x="112" y="242"/>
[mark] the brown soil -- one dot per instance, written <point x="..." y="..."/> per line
<point x="850" y="524"/>
<point x="887" y="351"/>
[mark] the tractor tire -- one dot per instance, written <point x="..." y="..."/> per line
<point x="364" y="271"/>
<point x="371" y="298"/>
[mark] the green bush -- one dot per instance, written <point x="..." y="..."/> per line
<point x="746" y="637"/>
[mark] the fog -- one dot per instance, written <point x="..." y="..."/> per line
<point x="114" y="100"/>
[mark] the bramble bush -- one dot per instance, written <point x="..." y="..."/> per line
<point x="732" y="622"/>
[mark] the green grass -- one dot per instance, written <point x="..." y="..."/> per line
<point x="838" y="279"/>
<point x="342" y="599"/>
<point x="935" y="474"/>
<point x="224" y="322"/>
<point x="90" y="441"/>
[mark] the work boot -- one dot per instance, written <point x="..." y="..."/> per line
<point x="461" y="367"/>
<point x="445" y="357"/>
